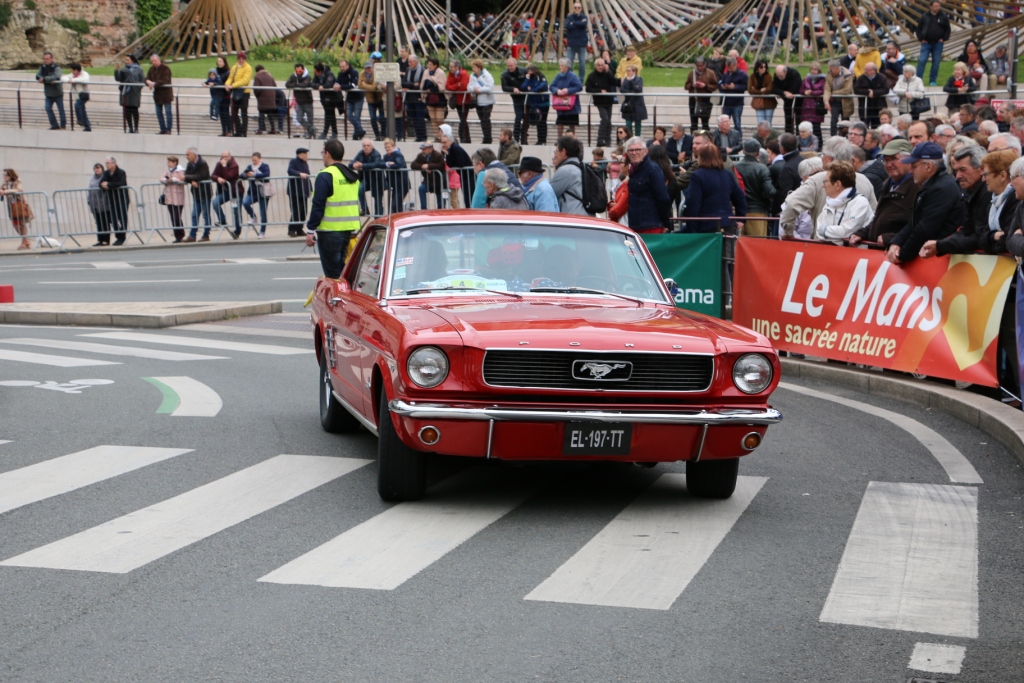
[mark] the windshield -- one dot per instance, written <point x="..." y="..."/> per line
<point x="520" y="258"/>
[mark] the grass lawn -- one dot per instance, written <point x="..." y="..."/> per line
<point x="654" y="77"/>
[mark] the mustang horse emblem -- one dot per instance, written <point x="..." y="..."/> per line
<point x="599" y="370"/>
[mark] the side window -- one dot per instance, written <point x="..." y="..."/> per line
<point x="368" y="273"/>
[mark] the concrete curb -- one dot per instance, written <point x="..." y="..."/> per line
<point x="42" y="316"/>
<point x="1003" y="423"/>
<point x="148" y="247"/>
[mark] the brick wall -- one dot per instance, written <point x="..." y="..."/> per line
<point x="105" y="38"/>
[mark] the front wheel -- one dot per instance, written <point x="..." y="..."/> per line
<point x="712" y="478"/>
<point x="401" y="471"/>
<point x="334" y="418"/>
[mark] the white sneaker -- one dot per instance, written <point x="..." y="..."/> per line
<point x="260" y="235"/>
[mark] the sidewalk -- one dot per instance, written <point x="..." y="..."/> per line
<point x="138" y="314"/>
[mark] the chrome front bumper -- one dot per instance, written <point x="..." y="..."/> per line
<point x="725" y="416"/>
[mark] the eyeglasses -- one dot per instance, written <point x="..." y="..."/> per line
<point x="635" y="151"/>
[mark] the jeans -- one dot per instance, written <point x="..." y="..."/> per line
<point x="354" y="112"/>
<point x="574" y="53"/>
<point x="372" y="184"/>
<point x="267" y="116"/>
<point x="200" y="205"/>
<point x="175" y="211"/>
<point x="330" y="120"/>
<point x="377" y="120"/>
<point x="787" y="112"/>
<point x="765" y="115"/>
<point x="215" y="106"/>
<point x="304" y="113"/>
<point x="485" y="122"/>
<point x="59" y="101"/>
<point x="837" y="115"/>
<point x="262" y="201"/>
<point x="218" y="202"/>
<point x="164" y="117"/>
<point x="102" y="226"/>
<point x="736" y="113"/>
<point x="518" y="107"/>
<point x="933" y="50"/>
<point x="423" y="197"/>
<point x="698" y="121"/>
<point x="416" y="112"/>
<point x="604" y="128"/>
<point x="240" y="115"/>
<point x="633" y="127"/>
<point x="80" y="114"/>
<point x="225" y="115"/>
<point x="463" y="112"/>
<point x="333" y="246"/>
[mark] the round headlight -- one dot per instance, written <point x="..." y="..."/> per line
<point x="752" y="373"/>
<point x="428" y="366"/>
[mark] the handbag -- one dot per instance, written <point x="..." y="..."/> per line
<point x="83" y="97"/>
<point x="819" y="108"/>
<point x="627" y="109"/>
<point x="563" y="102"/>
<point x="238" y="95"/>
<point x="435" y="99"/>
<point x="399" y="103"/>
<point x="454" y="179"/>
<point x="702" y="108"/>
<point x="20" y="210"/>
<point x="536" y="115"/>
<point x="267" y="190"/>
<point x="162" y="201"/>
<point x="920" y="105"/>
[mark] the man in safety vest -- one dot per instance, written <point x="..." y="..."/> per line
<point x="334" y="215"/>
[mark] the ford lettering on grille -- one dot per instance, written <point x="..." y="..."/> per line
<point x="603" y="371"/>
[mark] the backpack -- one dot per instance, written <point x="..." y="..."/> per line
<point x="595" y="196"/>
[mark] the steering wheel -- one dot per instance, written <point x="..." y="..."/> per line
<point x="634" y="286"/>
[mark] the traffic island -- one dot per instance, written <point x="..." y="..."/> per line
<point x="147" y="315"/>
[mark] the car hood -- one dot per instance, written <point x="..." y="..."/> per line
<point x="587" y="325"/>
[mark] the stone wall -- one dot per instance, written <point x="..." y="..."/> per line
<point x="29" y="34"/>
<point x="111" y="23"/>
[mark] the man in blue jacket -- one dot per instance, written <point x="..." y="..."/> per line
<point x="578" y="37"/>
<point x="650" y="207"/>
<point x="538" y="190"/>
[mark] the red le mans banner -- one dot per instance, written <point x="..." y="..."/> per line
<point x="937" y="316"/>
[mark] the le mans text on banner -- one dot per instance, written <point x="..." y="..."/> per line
<point x="694" y="261"/>
<point x="937" y="316"/>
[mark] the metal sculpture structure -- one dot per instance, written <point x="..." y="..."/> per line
<point x="205" y="28"/>
<point x="613" y="24"/>
<point x="795" y="31"/>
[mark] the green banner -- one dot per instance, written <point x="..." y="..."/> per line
<point x="694" y="261"/>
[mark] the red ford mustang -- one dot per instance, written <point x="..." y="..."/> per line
<point x="531" y="336"/>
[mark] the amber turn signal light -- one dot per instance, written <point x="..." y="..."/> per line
<point x="430" y="435"/>
<point x="751" y="441"/>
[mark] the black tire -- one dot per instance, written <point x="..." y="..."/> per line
<point x="334" y="418"/>
<point x="712" y="478"/>
<point x="401" y="471"/>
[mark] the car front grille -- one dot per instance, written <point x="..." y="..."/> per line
<point x="651" y="372"/>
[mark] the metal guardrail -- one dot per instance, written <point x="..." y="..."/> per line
<point x="108" y="214"/>
<point x="22" y="102"/>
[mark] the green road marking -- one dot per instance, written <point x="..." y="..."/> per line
<point x="171" y="398"/>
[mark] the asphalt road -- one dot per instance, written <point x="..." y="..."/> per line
<point x="193" y="562"/>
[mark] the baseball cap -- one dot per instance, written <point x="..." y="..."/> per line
<point x="367" y="65"/>
<point x="751" y="147"/>
<point x="426" y="144"/>
<point x="301" y="150"/>
<point x="845" y="123"/>
<point x="898" y="146"/>
<point x="376" y="55"/>
<point x="924" y="150"/>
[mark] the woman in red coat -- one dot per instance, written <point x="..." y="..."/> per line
<point x="458" y="85"/>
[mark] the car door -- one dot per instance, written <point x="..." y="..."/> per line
<point x="365" y="288"/>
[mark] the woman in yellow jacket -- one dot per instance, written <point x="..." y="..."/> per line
<point x="238" y="89"/>
<point x="868" y="53"/>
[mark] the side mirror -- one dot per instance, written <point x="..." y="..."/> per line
<point x="341" y="286"/>
<point x="671" y="284"/>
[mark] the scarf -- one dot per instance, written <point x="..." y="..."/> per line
<point x="841" y="200"/>
<point x="997" y="206"/>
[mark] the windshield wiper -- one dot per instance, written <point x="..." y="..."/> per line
<point x="587" y="290"/>
<point x="421" y="290"/>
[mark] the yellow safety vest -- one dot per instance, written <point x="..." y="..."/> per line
<point x="341" y="212"/>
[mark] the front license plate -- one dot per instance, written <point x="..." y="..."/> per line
<point x="584" y="438"/>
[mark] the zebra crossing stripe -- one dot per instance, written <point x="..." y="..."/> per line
<point x="647" y="556"/>
<point x="201" y="343"/>
<point x="109" y="349"/>
<point x="140" y="537"/>
<point x="54" y="361"/>
<point x="386" y="551"/>
<point x="911" y="562"/>
<point x="69" y="472"/>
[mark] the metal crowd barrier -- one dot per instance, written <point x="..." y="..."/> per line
<point x="114" y="214"/>
<point x="29" y="211"/>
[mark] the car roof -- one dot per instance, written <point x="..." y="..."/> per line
<point x="406" y="220"/>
